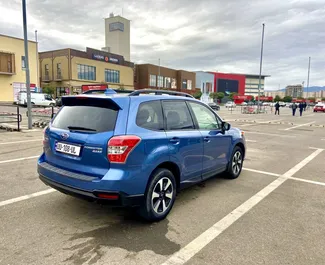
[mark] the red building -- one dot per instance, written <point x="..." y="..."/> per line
<point x="229" y="83"/>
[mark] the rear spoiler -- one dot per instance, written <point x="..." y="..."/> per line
<point x="93" y="101"/>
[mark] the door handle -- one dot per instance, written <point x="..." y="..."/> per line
<point x="206" y="139"/>
<point x="174" y="140"/>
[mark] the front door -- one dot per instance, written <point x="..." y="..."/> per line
<point x="185" y="142"/>
<point x="216" y="145"/>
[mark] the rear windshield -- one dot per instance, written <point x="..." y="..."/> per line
<point x="92" y="119"/>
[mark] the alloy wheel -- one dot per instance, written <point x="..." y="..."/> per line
<point x="237" y="163"/>
<point x="162" y="195"/>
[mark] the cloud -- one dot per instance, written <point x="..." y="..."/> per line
<point x="189" y="34"/>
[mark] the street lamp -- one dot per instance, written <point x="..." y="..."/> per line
<point x="27" y="66"/>
<point x="308" y="76"/>
<point x="261" y="61"/>
<point x="37" y="60"/>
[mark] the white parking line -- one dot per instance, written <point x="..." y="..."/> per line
<point x="262" y="172"/>
<point x="26" y="197"/>
<point x="18" y="142"/>
<point x="309" y="181"/>
<point x="18" y="159"/>
<point x="187" y="252"/>
<point x="271" y="121"/>
<point x="294" y="127"/>
<point x="252" y="141"/>
<point x="271" y="134"/>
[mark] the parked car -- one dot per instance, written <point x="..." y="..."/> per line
<point x="214" y="106"/>
<point x="137" y="151"/>
<point x="244" y="103"/>
<point x="230" y="104"/>
<point x="37" y="99"/>
<point x="319" y="107"/>
<point x="58" y="101"/>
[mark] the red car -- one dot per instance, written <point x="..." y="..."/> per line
<point x="319" y="107"/>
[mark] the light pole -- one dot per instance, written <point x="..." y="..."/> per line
<point x="37" y="60"/>
<point x="260" y="76"/>
<point x="308" y="76"/>
<point x="27" y="66"/>
<point x="158" y="73"/>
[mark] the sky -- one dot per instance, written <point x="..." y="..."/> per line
<point x="194" y="35"/>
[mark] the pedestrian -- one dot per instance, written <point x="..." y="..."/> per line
<point x="305" y="105"/>
<point x="277" y="108"/>
<point x="294" y="108"/>
<point x="301" y="108"/>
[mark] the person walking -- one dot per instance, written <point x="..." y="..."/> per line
<point x="301" y="108"/>
<point x="294" y="108"/>
<point x="277" y="108"/>
<point x="305" y="105"/>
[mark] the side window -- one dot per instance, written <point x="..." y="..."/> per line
<point x="177" y="115"/>
<point x="150" y="116"/>
<point x="205" y="117"/>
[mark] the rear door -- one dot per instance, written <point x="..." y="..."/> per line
<point x="78" y="135"/>
<point x="216" y="143"/>
<point x="185" y="142"/>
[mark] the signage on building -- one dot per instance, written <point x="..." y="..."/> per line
<point x="189" y="84"/>
<point x="174" y="86"/>
<point x="265" y="98"/>
<point x="93" y="87"/>
<point x="242" y="97"/>
<point x="100" y="57"/>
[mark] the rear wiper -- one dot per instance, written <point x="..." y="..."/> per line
<point x="76" y="128"/>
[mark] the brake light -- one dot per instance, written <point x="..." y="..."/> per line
<point x="119" y="147"/>
<point x="45" y="137"/>
<point x="108" y="196"/>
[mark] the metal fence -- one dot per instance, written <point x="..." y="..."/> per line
<point x="10" y="118"/>
<point x="42" y="117"/>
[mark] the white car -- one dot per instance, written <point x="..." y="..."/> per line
<point x="37" y="99"/>
<point x="230" y="104"/>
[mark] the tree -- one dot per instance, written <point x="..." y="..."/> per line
<point x="277" y="98"/>
<point x="220" y="95"/>
<point x="287" y="99"/>
<point x="253" y="98"/>
<point x="232" y="94"/>
<point x="312" y="99"/>
<point x="197" y="94"/>
<point x="323" y="99"/>
<point x="48" y="90"/>
<point x="213" y="95"/>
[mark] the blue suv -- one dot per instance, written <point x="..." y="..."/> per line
<point x="138" y="149"/>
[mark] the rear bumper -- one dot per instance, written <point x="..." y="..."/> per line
<point x="124" y="200"/>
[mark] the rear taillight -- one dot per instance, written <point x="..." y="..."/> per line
<point x="45" y="137"/>
<point x="119" y="147"/>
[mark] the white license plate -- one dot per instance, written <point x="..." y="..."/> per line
<point x="67" y="149"/>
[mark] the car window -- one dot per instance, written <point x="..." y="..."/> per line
<point x="150" y="116"/>
<point x="206" y="119"/>
<point x="94" y="118"/>
<point x="177" y="115"/>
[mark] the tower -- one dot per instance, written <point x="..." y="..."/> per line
<point x="117" y="36"/>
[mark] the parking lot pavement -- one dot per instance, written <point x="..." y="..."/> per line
<point x="263" y="217"/>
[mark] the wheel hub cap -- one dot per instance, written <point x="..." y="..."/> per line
<point x="162" y="195"/>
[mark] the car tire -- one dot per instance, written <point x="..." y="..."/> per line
<point x="160" y="196"/>
<point x="235" y="165"/>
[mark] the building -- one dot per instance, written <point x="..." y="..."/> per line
<point x="157" y="77"/>
<point x="252" y="83"/>
<point x="67" y="70"/>
<point x="294" y="91"/>
<point x="12" y="67"/>
<point x="275" y="93"/>
<point x="205" y="82"/>
<point x="117" y="36"/>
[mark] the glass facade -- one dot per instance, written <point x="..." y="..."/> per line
<point x="184" y="84"/>
<point x="153" y="80"/>
<point x="167" y="82"/>
<point x="160" y="81"/>
<point x="112" y="76"/>
<point x="86" y="72"/>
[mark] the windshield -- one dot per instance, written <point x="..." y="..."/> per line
<point x="85" y="118"/>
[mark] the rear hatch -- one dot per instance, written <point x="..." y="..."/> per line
<point x="76" y="140"/>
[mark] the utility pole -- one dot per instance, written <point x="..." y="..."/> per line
<point x="308" y="76"/>
<point x="158" y="73"/>
<point x="29" y="112"/>
<point x="261" y="61"/>
<point x="37" y="60"/>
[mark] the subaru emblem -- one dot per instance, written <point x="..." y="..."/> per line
<point x="64" y="136"/>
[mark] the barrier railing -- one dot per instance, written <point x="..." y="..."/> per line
<point x="42" y="117"/>
<point x="10" y="120"/>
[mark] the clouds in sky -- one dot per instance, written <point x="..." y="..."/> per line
<point x="211" y="35"/>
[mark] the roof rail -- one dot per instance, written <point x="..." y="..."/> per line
<point x="160" y="92"/>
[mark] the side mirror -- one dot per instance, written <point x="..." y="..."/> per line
<point x="225" y="126"/>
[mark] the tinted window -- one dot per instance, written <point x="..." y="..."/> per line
<point x="150" y="116"/>
<point x="206" y="119"/>
<point x="93" y="118"/>
<point x="177" y="115"/>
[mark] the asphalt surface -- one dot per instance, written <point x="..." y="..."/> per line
<point x="284" y="225"/>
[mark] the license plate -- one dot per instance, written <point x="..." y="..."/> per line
<point x="67" y="149"/>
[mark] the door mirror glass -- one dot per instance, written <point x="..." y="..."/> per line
<point x="226" y="126"/>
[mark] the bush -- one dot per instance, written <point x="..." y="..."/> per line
<point x="197" y="94"/>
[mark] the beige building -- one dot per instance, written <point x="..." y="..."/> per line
<point x="117" y="36"/>
<point x="273" y="94"/>
<point x="294" y="91"/>
<point x="252" y="83"/>
<point x="72" y="71"/>
<point x="318" y="95"/>
<point x="12" y="67"/>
